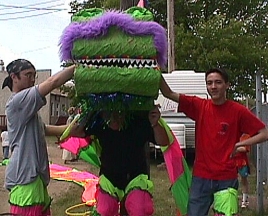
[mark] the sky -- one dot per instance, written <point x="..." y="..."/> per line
<point x="26" y="32"/>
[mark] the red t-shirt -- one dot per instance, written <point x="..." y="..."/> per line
<point x="217" y="130"/>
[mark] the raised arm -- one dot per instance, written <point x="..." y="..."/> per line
<point x="56" y="80"/>
<point x="167" y="92"/>
<point x="160" y="134"/>
<point x="55" y="130"/>
<point x="260" y="137"/>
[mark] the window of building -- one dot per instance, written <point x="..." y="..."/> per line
<point x="52" y="110"/>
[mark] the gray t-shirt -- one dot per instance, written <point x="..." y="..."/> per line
<point x="29" y="157"/>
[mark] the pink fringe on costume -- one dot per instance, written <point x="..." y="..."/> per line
<point x="74" y="144"/>
<point x="29" y="210"/>
<point x="139" y="202"/>
<point x="107" y="205"/>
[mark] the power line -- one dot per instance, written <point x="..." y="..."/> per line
<point x="27" y="11"/>
<point x="36" y="4"/>
<point x="23" y="17"/>
<point x="36" y="50"/>
<point x="34" y="8"/>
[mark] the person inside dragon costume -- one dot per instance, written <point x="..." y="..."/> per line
<point x="117" y="78"/>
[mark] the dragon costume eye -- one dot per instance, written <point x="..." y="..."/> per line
<point x="87" y="14"/>
<point x="140" y="13"/>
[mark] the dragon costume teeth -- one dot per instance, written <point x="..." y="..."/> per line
<point x="118" y="55"/>
<point x="119" y="62"/>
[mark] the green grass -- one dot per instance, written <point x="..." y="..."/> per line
<point x="163" y="201"/>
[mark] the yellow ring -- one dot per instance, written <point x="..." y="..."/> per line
<point x="88" y="213"/>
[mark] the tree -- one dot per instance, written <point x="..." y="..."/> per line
<point x="109" y="4"/>
<point x="76" y="6"/>
<point x="230" y="34"/>
<point x="125" y="4"/>
<point x="213" y="44"/>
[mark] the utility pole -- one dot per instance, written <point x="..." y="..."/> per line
<point x="260" y="208"/>
<point x="171" y="43"/>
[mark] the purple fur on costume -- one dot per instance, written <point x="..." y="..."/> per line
<point x="99" y="27"/>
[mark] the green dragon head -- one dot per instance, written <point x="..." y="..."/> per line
<point x="119" y="56"/>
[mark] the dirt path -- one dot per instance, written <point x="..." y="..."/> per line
<point x="56" y="188"/>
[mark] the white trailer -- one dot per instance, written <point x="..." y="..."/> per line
<point x="186" y="82"/>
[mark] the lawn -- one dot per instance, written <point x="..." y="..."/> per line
<point x="164" y="203"/>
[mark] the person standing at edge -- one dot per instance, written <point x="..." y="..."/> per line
<point x="219" y="123"/>
<point x="27" y="174"/>
<point x="5" y="144"/>
<point x="242" y="164"/>
<point x="68" y="156"/>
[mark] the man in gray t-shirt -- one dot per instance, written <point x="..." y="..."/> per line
<point x="27" y="174"/>
<point x="27" y="139"/>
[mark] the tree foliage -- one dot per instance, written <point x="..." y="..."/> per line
<point x="77" y="5"/>
<point x="109" y="4"/>
<point x="125" y="4"/>
<point x="229" y="34"/>
<point x="229" y="47"/>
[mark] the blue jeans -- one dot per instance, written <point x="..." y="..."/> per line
<point x="5" y="151"/>
<point x="202" y="194"/>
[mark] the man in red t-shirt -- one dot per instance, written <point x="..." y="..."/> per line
<point x="219" y="123"/>
<point x="242" y="165"/>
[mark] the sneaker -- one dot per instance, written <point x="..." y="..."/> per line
<point x="244" y="204"/>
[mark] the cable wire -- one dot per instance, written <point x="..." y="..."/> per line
<point x="36" y="50"/>
<point x="36" y="4"/>
<point x="28" y="10"/>
<point x="35" y="8"/>
<point x="23" y="17"/>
